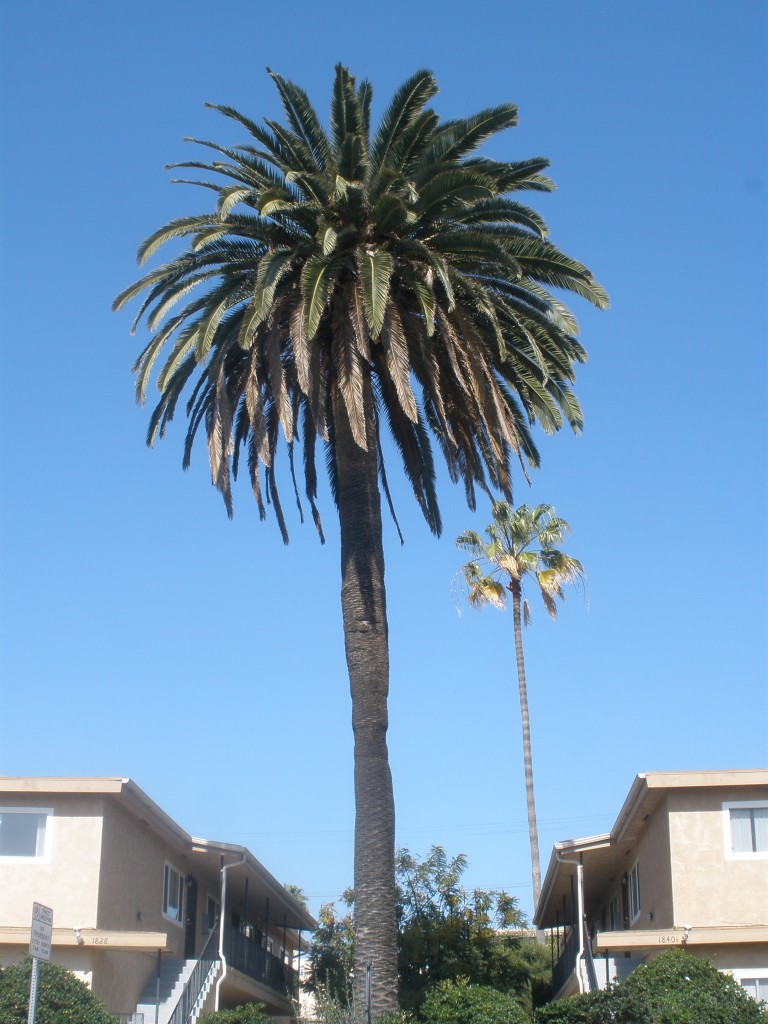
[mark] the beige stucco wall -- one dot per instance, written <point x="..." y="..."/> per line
<point x="133" y="857"/>
<point x="119" y="978"/>
<point x="131" y="884"/>
<point x="708" y="888"/>
<point x="655" y="868"/>
<point x="67" y="879"/>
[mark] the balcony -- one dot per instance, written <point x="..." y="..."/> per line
<point x="250" y="958"/>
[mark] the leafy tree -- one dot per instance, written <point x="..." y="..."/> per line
<point x="459" y="1002"/>
<point x="444" y="931"/>
<point x="521" y="546"/>
<point x="248" y="1013"/>
<point x="331" y="956"/>
<point x="674" y="988"/>
<point x="341" y="268"/>
<point x="61" y="997"/>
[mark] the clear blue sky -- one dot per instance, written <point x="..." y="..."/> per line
<point x="143" y="634"/>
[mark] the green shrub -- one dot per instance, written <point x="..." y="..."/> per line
<point x="61" y="997"/>
<point x="674" y="988"/>
<point x="458" y="1002"/>
<point x="248" y="1013"/>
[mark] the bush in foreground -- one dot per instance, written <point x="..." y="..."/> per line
<point x="674" y="988"/>
<point x="458" y="1002"/>
<point x="61" y="997"/>
<point x="248" y="1013"/>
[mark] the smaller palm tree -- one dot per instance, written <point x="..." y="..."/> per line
<point x="521" y="546"/>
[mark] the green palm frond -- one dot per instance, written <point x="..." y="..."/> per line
<point x="375" y="266"/>
<point x="406" y="105"/>
<point x="317" y="278"/>
<point x="303" y="119"/>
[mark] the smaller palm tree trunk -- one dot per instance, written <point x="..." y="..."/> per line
<point x="366" y="643"/>
<point x="533" y="831"/>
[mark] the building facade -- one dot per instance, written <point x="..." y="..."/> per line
<point x="142" y="911"/>
<point x="686" y="864"/>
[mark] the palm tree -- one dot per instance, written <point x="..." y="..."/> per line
<point x="520" y="546"/>
<point x="343" y="272"/>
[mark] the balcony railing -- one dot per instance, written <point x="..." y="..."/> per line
<point x="250" y="958"/>
<point x="566" y="965"/>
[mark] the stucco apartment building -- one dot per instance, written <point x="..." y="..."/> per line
<point x="161" y="925"/>
<point x="686" y="864"/>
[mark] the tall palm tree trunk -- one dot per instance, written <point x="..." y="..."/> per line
<point x="533" y="831"/>
<point x="363" y="602"/>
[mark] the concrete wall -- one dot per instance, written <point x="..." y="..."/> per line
<point x="709" y="888"/>
<point x="67" y="879"/>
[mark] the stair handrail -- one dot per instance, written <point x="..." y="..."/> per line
<point x="194" y="984"/>
<point x="589" y="959"/>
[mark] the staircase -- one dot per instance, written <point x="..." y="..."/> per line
<point x="174" y="975"/>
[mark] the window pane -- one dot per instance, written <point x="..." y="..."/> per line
<point x="761" y="829"/>
<point x="173" y="893"/>
<point x="21" y="834"/>
<point x="741" y="830"/>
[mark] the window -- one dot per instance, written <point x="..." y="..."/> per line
<point x="634" y="893"/>
<point x="23" y="831"/>
<point x="746" y="829"/>
<point x="173" y="894"/>
<point x="753" y="981"/>
<point x="756" y="987"/>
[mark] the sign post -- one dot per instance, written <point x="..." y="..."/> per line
<point x="39" y="949"/>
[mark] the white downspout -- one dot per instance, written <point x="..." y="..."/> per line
<point x="222" y="976"/>
<point x="579" y="912"/>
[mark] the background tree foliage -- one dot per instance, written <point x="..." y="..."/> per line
<point x="62" y="998"/>
<point x="675" y="988"/>
<point x="445" y="931"/>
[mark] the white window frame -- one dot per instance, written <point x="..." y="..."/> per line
<point x="37" y="857"/>
<point x="742" y="974"/>
<point x="634" y="900"/>
<point x="730" y="853"/>
<point x="167" y="868"/>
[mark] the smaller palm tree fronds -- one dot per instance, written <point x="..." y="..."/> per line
<point x="521" y="545"/>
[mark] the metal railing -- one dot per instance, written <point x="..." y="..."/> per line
<point x="589" y="959"/>
<point x="566" y="965"/>
<point x="194" y="986"/>
<point x="250" y="958"/>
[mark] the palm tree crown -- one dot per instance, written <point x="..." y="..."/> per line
<point x="520" y="546"/>
<point x="333" y="255"/>
<point x="350" y="281"/>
